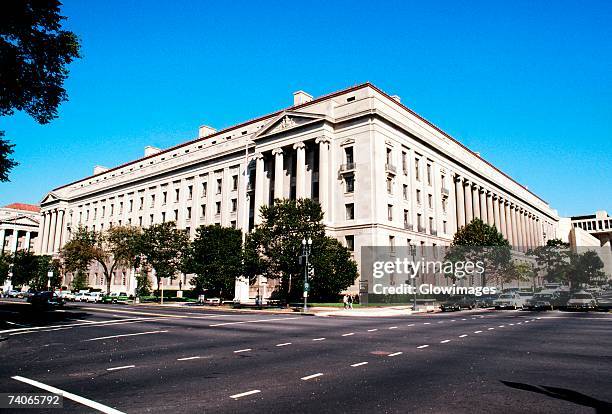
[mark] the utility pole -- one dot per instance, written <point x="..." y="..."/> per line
<point x="306" y="249"/>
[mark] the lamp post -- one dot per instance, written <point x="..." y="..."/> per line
<point x="412" y="249"/>
<point x="306" y="248"/>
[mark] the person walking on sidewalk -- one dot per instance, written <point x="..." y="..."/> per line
<point x="345" y="300"/>
<point x="350" y="302"/>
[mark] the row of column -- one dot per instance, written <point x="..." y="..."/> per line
<point x="52" y="231"/>
<point x="518" y="225"/>
<point x="14" y="240"/>
<point x="300" y="174"/>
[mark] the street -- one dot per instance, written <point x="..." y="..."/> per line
<point x="154" y="359"/>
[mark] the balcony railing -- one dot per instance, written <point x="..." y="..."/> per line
<point x="433" y="232"/>
<point x="408" y="226"/>
<point x="422" y="229"/>
<point x="445" y="191"/>
<point x="390" y="168"/>
<point x="349" y="166"/>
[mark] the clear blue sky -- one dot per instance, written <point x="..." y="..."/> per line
<point x="527" y="84"/>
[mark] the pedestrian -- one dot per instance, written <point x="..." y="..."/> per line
<point x="345" y="301"/>
<point x="350" y="302"/>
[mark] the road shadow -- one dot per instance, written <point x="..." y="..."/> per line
<point x="22" y="315"/>
<point x="601" y="407"/>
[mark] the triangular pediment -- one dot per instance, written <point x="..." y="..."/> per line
<point x="288" y="120"/>
<point x="50" y="197"/>
<point x="22" y="220"/>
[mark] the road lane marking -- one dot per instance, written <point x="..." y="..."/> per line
<point x="17" y="324"/>
<point x="426" y="323"/>
<point x="121" y="336"/>
<point x="118" y="368"/>
<point x="255" y="321"/>
<point x="411" y="324"/>
<point x="284" y="344"/>
<point x="462" y="336"/>
<point x="502" y="326"/>
<point x="359" y="364"/>
<point x="188" y="358"/>
<point x="55" y="329"/>
<point x="318" y="339"/>
<point x="395" y="354"/>
<point x="308" y="377"/>
<point x="511" y="324"/>
<point x="242" y="350"/>
<point x="244" y="394"/>
<point x="422" y="346"/>
<point x="70" y="396"/>
<point x="445" y="341"/>
<point x="372" y="330"/>
<point x="453" y="320"/>
<point x="393" y="327"/>
<point x="73" y="325"/>
<point x="477" y="331"/>
<point x="464" y="319"/>
<point x="348" y="334"/>
<point x="490" y="329"/>
<point x="441" y="322"/>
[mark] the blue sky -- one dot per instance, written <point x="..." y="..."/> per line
<point x="527" y="84"/>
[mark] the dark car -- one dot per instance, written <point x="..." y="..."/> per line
<point x="486" y="301"/>
<point x="46" y="300"/>
<point x="604" y="301"/>
<point x="456" y="303"/>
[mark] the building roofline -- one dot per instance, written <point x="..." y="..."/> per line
<point x="314" y="101"/>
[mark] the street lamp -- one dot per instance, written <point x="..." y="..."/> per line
<point x="412" y="249"/>
<point x="306" y="248"/>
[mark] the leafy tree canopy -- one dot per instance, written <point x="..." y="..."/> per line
<point x="6" y="162"/>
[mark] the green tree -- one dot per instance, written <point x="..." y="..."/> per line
<point x="34" y="54"/>
<point x="5" y="266"/>
<point x="520" y="272"/>
<point x="586" y="269"/>
<point x="25" y="268"/>
<point x="164" y="247"/>
<point x="479" y="242"/>
<point x="79" y="281"/>
<point x="553" y="260"/>
<point x="215" y="256"/>
<point x="143" y="283"/>
<point x="274" y="247"/>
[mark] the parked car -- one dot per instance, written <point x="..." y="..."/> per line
<point x="45" y="300"/>
<point x="604" y="302"/>
<point x="544" y="300"/>
<point x="94" y="297"/>
<point x="67" y="295"/>
<point x="80" y="297"/>
<point x="510" y="300"/>
<point x="116" y="297"/>
<point x="486" y="301"/>
<point x="456" y="303"/>
<point x="15" y="294"/>
<point x="581" y="301"/>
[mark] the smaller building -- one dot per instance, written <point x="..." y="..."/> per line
<point x="598" y="225"/>
<point x="19" y="227"/>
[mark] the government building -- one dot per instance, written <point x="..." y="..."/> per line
<point x="383" y="175"/>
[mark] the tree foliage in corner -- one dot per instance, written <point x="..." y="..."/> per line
<point x="477" y="241"/>
<point x="34" y="54"/>
<point x="274" y="247"/>
<point x="215" y="256"/>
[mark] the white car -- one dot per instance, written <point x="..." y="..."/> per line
<point x="80" y="297"/>
<point x="94" y="297"/>
<point x="582" y="301"/>
<point x="510" y="300"/>
<point x="66" y="295"/>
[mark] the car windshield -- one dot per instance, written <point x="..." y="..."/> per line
<point x="582" y="296"/>
<point x="542" y="296"/>
<point x="506" y="296"/>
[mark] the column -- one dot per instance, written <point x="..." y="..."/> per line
<point x="524" y="230"/>
<point x="259" y="182"/>
<point x="324" y="176"/>
<point x="476" y="201"/>
<point x="469" y="214"/>
<point x="502" y="218"/>
<point x="26" y="243"/>
<point x="496" y="219"/>
<point x="41" y="233"/>
<point x="44" y="240"/>
<point x="490" y="217"/>
<point x="2" y="235"/>
<point x="278" y="173"/>
<point x="460" y="204"/>
<point x="506" y="206"/>
<point x="14" y="238"/>
<point x="483" y="205"/>
<point x="300" y="170"/>
<point x="515" y="240"/>
<point x="60" y="226"/>
<point x="532" y="241"/>
<point x="52" y="229"/>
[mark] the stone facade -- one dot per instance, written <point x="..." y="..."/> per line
<point x="19" y="225"/>
<point x="383" y="175"/>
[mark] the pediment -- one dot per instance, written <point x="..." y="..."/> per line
<point x="22" y="220"/>
<point x="49" y="198"/>
<point x="288" y="120"/>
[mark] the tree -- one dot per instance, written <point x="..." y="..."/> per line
<point x="553" y="260"/>
<point x="586" y="269"/>
<point x="164" y="247"/>
<point x="79" y="282"/>
<point x="5" y="266"/>
<point x="25" y="268"/>
<point x="215" y="256"/>
<point x="479" y="242"/>
<point x="274" y="247"/>
<point x="34" y="54"/>
<point x="143" y="284"/>
<point x="520" y="272"/>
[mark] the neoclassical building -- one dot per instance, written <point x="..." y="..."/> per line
<point x="19" y="225"/>
<point x="383" y="175"/>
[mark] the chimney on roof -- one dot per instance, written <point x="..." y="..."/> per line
<point x="149" y="150"/>
<point x="205" y="131"/>
<point x="301" y="97"/>
<point x="397" y="98"/>
<point x="98" y="169"/>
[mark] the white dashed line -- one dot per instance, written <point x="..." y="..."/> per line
<point x="318" y="339"/>
<point x="359" y="364"/>
<point x="411" y="324"/>
<point x="244" y="394"/>
<point x="462" y="336"/>
<point x="242" y="350"/>
<point x="441" y="322"/>
<point x="372" y="330"/>
<point x="502" y="326"/>
<point x="124" y="335"/>
<point x="255" y="321"/>
<point x="490" y="329"/>
<point x="308" y="377"/>
<point x="445" y="341"/>
<point x="511" y="324"/>
<point x="477" y="331"/>
<point x="395" y="354"/>
<point x="348" y="334"/>
<point x="464" y="319"/>
<point x="188" y="358"/>
<point x="70" y="396"/>
<point x="118" y="368"/>
<point x="284" y="344"/>
<point x="422" y="346"/>
<point x="453" y="320"/>
<point x="393" y="327"/>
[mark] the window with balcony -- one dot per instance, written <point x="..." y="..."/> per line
<point x="444" y="204"/>
<point x="348" y="155"/>
<point x="350" y="211"/>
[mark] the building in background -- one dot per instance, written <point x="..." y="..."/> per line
<point x="384" y="176"/>
<point x="19" y="225"/>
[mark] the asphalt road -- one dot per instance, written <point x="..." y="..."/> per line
<point x="150" y="359"/>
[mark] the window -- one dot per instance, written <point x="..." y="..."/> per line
<point x="218" y="207"/>
<point x="203" y="211"/>
<point x="163" y="216"/>
<point x="121" y="207"/>
<point x="235" y="182"/>
<point x="164" y="197"/>
<point x="389" y="185"/>
<point x="392" y="243"/>
<point x="96" y="213"/>
<point x="350" y="184"/>
<point x="190" y="192"/>
<point x="152" y="200"/>
<point x="350" y="211"/>
<point x="219" y="185"/>
<point x="405" y="162"/>
<point x="389" y="156"/>
<point x="176" y="215"/>
<point x="390" y="212"/>
<point x="103" y="211"/>
<point x="405" y="192"/>
<point x="420" y="221"/>
<point x="112" y="208"/>
<point x="417" y="173"/>
<point x="141" y="203"/>
<point x="177" y="194"/>
<point x="430" y="200"/>
<point x="188" y="213"/>
<point x="444" y="229"/>
<point x="131" y="206"/>
<point x="234" y="205"/>
<point x="431" y="224"/>
<point x="443" y="180"/>
<point x="233" y="224"/>
<point x="151" y="219"/>
<point x="350" y="242"/>
<point x="204" y="188"/>
<point x="418" y="196"/>
<point x="348" y="155"/>
<point x="140" y="221"/>
<point x="406" y="218"/>
<point x="428" y="174"/>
